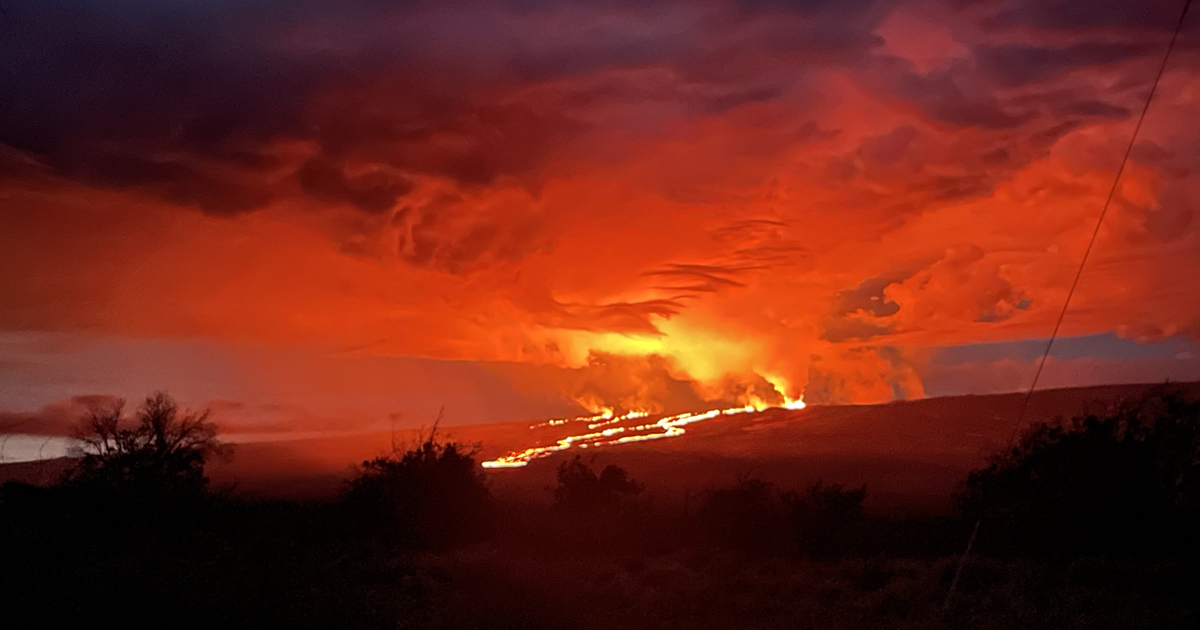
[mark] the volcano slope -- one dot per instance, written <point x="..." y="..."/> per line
<point x="911" y="454"/>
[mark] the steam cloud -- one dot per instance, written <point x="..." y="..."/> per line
<point x="658" y="206"/>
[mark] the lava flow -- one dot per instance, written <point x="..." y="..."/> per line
<point x="670" y="426"/>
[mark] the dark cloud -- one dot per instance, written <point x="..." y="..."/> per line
<point x="1150" y="153"/>
<point x="981" y="92"/>
<point x="856" y="311"/>
<point x="171" y="180"/>
<point x="868" y="297"/>
<point x="384" y="121"/>
<point x="188" y="102"/>
<point x="1018" y="64"/>
<point x="899" y="160"/>
<point x="1174" y="164"/>
<point x="996" y="111"/>
<point x="584" y="55"/>
<point x="954" y="97"/>
<point x="373" y="192"/>
<point x="1096" y="109"/>
<point x="847" y="9"/>
<point x="144" y="94"/>
<point x="1077" y="15"/>
<point x="726" y="100"/>
<point x="56" y="419"/>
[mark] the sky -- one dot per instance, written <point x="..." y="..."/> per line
<point x="319" y="217"/>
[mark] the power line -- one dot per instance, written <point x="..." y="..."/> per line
<point x="1095" y="233"/>
<point x="1074" y="284"/>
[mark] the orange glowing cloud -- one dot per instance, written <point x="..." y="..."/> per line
<point x="642" y="208"/>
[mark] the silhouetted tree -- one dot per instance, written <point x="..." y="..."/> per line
<point x="1123" y="481"/>
<point x="158" y="453"/>
<point x="581" y="492"/>
<point x="430" y="495"/>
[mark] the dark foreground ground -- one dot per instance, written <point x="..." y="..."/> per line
<point x="497" y="588"/>
<point x="290" y="565"/>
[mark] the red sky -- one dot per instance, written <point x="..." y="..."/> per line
<point x="319" y="216"/>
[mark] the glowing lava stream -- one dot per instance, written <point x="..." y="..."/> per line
<point x="671" y="426"/>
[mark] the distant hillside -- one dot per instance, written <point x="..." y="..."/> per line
<point x="38" y="473"/>
<point x="912" y="455"/>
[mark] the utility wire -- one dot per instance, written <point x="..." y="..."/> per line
<point x="1071" y="293"/>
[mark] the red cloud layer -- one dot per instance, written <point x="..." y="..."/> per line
<point x="806" y="196"/>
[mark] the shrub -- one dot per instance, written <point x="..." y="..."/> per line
<point x="1123" y="481"/>
<point x="827" y="519"/>
<point x="747" y="516"/>
<point x="431" y="495"/>
<point x="581" y="492"/>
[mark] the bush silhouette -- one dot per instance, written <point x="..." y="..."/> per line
<point x="430" y="495"/>
<point x="159" y="454"/>
<point x="827" y="519"/>
<point x="1123" y="481"/>
<point x="581" y="492"/>
<point x="747" y="515"/>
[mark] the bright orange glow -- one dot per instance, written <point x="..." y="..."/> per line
<point x="668" y="427"/>
<point x="346" y="220"/>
